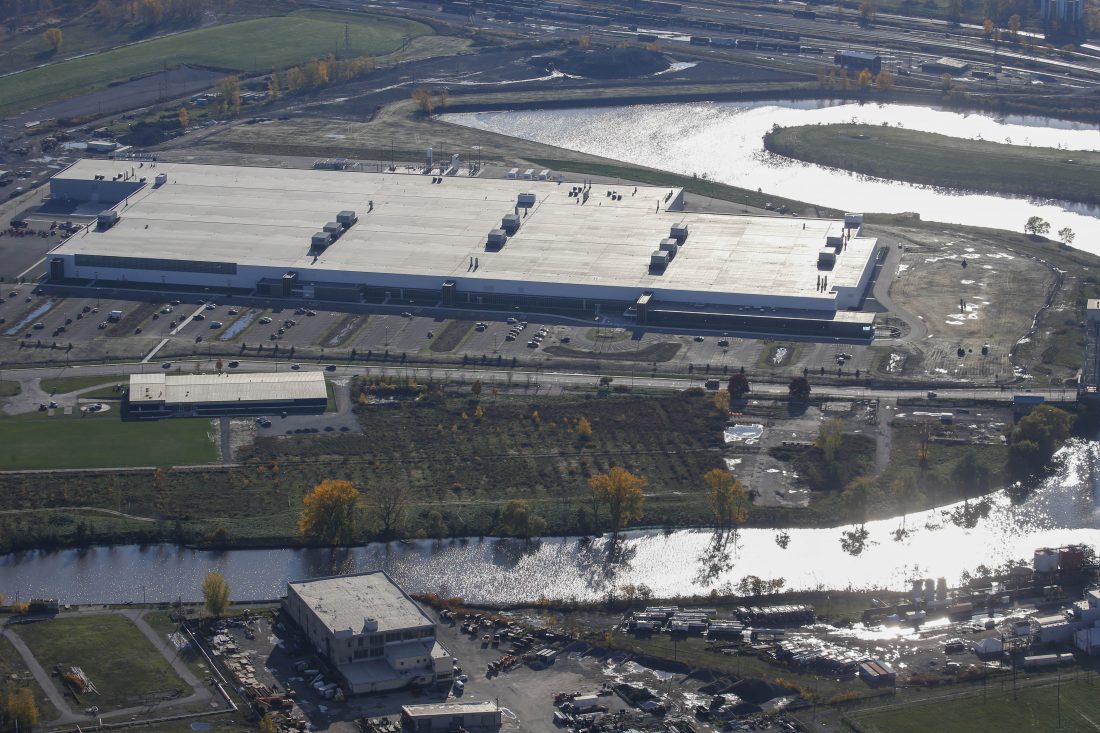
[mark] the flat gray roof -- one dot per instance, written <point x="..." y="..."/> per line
<point x="246" y="387"/>
<point x="449" y="708"/>
<point x="267" y="217"/>
<point x="345" y="602"/>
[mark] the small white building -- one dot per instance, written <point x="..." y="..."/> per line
<point x="376" y="636"/>
<point x="474" y="717"/>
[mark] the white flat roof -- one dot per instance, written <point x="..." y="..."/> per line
<point x="345" y="602"/>
<point x="206" y="388"/>
<point x="449" y="708"/>
<point x="267" y="217"/>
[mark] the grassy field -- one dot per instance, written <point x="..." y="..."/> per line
<point x="9" y="388"/>
<point x="1033" y="709"/>
<point x="14" y="675"/>
<point x="117" y="658"/>
<point x="37" y="441"/>
<point x="64" y="385"/>
<point x="256" y="45"/>
<point x="939" y="160"/>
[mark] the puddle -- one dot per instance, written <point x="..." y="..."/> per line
<point x="30" y="318"/>
<point x="747" y="434"/>
<point x="237" y="326"/>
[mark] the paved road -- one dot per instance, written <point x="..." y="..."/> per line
<point x="539" y="378"/>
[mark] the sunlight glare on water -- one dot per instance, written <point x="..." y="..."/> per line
<point x="723" y="141"/>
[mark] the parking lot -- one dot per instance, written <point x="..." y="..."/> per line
<point x="46" y="328"/>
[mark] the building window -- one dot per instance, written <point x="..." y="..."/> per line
<point x="151" y="263"/>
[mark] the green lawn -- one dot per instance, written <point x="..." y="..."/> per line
<point x="38" y="441"/>
<point x="248" y="46"/>
<point x="1034" y="709"/>
<point x="9" y="388"/>
<point x="113" y="653"/>
<point x="14" y="674"/>
<point x="940" y="160"/>
<point x="64" y="385"/>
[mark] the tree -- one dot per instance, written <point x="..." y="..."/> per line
<point x="274" y="84"/>
<point x="622" y="492"/>
<point x="516" y="518"/>
<point x="858" y="494"/>
<point x="987" y="28"/>
<point x="391" y="507"/>
<point x="584" y="42"/>
<point x="330" y="513"/>
<point x="884" y="81"/>
<point x="738" y="385"/>
<point x="267" y="724"/>
<point x="423" y="99"/>
<point x="866" y="12"/>
<point x="722" y="401"/>
<point x="435" y="525"/>
<point x="1037" y="226"/>
<point x="1066" y="235"/>
<point x="1036" y="437"/>
<point x="584" y="428"/>
<point x="229" y="89"/>
<point x="215" y="594"/>
<point x="18" y="710"/>
<point x="726" y="496"/>
<point x="475" y="388"/>
<point x="799" y="389"/>
<point x="1014" y="27"/>
<point x="185" y="117"/>
<point x="864" y="79"/>
<point x="947" y="83"/>
<point x="54" y="37"/>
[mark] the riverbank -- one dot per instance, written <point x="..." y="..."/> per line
<point x="449" y="465"/>
<point x="939" y="160"/>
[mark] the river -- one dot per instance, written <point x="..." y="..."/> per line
<point x="724" y="142"/>
<point x="1063" y="510"/>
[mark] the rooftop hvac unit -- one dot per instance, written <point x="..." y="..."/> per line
<point x="160" y="180"/>
<point x="320" y="240"/>
<point x="659" y="260"/>
<point x="514" y="173"/>
<point x="529" y="174"/>
<point x="826" y="258"/>
<point x="106" y="219"/>
<point x="834" y="240"/>
<point x="496" y="239"/>
<point x="334" y="229"/>
<point x="679" y="232"/>
<point x="671" y="247"/>
<point x="544" y="175"/>
<point x="525" y="200"/>
<point x="853" y="221"/>
<point x="347" y="218"/>
<point x="510" y="224"/>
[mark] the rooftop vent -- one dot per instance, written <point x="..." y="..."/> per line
<point x="659" y="260"/>
<point x="510" y="224"/>
<point x="496" y="240"/>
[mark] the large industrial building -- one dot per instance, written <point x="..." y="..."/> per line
<point x="370" y="630"/>
<point x="160" y="395"/>
<point x="461" y="242"/>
